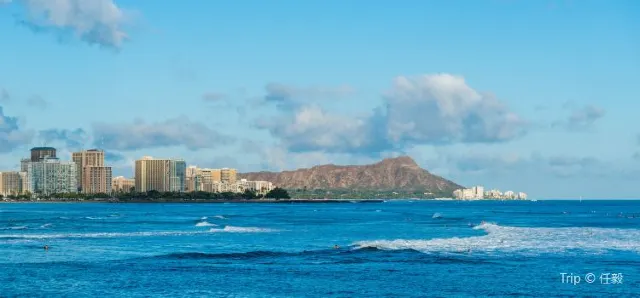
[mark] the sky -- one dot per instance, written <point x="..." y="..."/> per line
<point x="534" y="96"/>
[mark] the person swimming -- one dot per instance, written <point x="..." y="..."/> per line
<point x="46" y="247"/>
<point x="336" y="246"/>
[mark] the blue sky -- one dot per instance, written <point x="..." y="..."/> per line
<point x="534" y="96"/>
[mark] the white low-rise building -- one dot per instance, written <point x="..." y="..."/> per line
<point x="478" y="193"/>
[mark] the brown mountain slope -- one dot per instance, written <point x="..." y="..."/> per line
<point x="401" y="173"/>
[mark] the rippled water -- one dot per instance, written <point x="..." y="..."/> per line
<point x="397" y="248"/>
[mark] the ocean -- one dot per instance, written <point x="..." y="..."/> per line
<point x="392" y="249"/>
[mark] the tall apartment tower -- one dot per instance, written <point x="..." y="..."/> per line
<point x="228" y="175"/>
<point x="89" y="158"/>
<point x="24" y="164"/>
<point x="51" y="176"/>
<point x="40" y="153"/>
<point x="13" y="183"/>
<point x="96" y="180"/>
<point x="160" y="174"/>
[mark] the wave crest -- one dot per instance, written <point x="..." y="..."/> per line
<point x="521" y="240"/>
<point x="15" y="228"/>
<point x="205" y="224"/>
<point x="232" y="229"/>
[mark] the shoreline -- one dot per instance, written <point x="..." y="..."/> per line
<point x="287" y="201"/>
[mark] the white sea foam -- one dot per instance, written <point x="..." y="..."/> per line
<point x="101" y="235"/>
<point x="220" y="217"/>
<point x="521" y="239"/>
<point x="93" y="217"/>
<point x="15" y="228"/>
<point x="204" y="218"/>
<point x="436" y="215"/>
<point x="44" y="226"/>
<point x="205" y="224"/>
<point x="232" y="229"/>
<point x="227" y="229"/>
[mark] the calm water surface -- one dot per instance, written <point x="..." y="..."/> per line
<point x="391" y="249"/>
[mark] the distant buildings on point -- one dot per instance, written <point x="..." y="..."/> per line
<point x="478" y="193"/>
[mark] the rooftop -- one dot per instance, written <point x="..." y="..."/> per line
<point x="42" y="148"/>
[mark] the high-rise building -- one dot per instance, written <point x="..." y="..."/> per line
<point x="13" y="183"/>
<point x="96" y="180"/>
<point x="191" y="171"/>
<point x="207" y="178"/>
<point x="160" y="174"/>
<point x="122" y="184"/>
<point x="191" y="179"/>
<point x="24" y="164"/>
<point x="478" y="192"/>
<point x="40" y="153"/>
<point x="51" y="176"/>
<point x="228" y="175"/>
<point x="88" y="158"/>
<point x="177" y="172"/>
<point x="215" y="174"/>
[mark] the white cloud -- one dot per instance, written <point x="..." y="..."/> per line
<point x="287" y="96"/>
<point x="581" y="118"/>
<point x="11" y="134"/>
<point x="311" y="128"/>
<point x="442" y="108"/>
<point x="178" y="131"/>
<point x="430" y="109"/>
<point x="94" y="21"/>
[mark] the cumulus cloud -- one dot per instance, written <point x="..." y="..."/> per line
<point x="310" y="128"/>
<point x="98" y="22"/>
<point x="287" y="96"/>
<point x="73" y="139"/>
<point x="37" y="101"/>
<point x="431" y="109"/>
<point x="11" y="136"/>
<point x="581" y="118"/>
<point x="173" y="132"/>
<point x="442" y="108"/>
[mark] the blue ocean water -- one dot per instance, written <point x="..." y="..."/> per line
<point x="391" y="249"/>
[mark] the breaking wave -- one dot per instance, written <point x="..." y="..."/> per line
<point x="99" y="235"/>
<point x="521" y="240"/>
<point x="232" y="229"/>
<point x="15" y="228"/>
<point x="227" y="229"/>
<point x="205" y="224"/>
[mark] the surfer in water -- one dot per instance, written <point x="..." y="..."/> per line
<point x="46" y="247"/>
<point x="336" y="246"/>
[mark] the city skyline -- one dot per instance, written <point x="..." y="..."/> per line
<point x="46" y="173"/>
<point x="527" y="95"/>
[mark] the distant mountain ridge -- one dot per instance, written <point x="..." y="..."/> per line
<point x="399" y="173"/>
